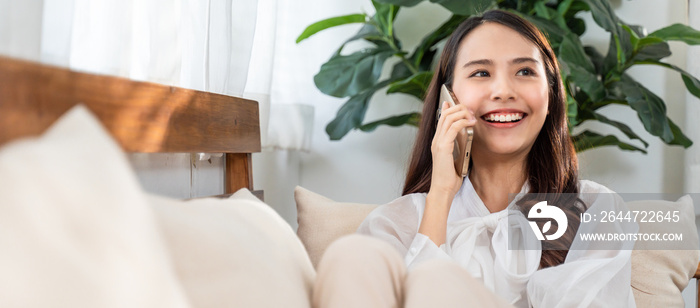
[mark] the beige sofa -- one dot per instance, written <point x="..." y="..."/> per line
<point x="78" y="231"/>
<point x="658" y="276"/>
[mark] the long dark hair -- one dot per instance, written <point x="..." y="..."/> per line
<point x="551" y="165"/>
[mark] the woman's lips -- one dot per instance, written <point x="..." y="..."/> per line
<point x="504" y="119"/>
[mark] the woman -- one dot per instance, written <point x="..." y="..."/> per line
<point x="504" y="74"/>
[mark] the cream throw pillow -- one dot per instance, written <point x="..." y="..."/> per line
<point x="659" y="276"/>
<point x="75" y="228"/>
<point x="235" y="252"/>
<point x="322" y="220"/>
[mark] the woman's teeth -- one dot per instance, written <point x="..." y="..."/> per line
<point x="503" y="117"/>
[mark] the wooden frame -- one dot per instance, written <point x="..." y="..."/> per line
<point x="142" y="116"/>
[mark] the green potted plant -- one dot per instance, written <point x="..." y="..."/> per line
<point x="592" y="80"/>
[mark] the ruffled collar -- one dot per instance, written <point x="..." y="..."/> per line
<point x="468" y="204"/>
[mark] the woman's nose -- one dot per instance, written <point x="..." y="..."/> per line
<point x="502" y="89"/>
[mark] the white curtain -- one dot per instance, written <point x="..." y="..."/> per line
<point x="286" y="122"/>
<point x="202" y="45"/>
<point x="220" y="46"/>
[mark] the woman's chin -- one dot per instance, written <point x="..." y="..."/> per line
<point x="507" y="149"/>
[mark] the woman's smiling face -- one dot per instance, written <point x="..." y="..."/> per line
<point x="500" y="76"/>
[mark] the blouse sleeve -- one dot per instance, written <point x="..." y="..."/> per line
<point x="397" y="223"/>
<point x="594" y="274"/>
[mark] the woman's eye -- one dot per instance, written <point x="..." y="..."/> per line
<point x="480" y="74"/>
<point x="525" y="72"/>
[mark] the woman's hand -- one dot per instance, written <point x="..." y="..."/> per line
<point x="445" y="180"/>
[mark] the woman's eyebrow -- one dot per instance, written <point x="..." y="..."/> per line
<point x="490" y="62"/>
<point x="523" y="60"/>
<point x="478" y="62"/>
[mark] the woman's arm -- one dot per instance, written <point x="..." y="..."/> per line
<point x="434" y="221"/>
<point x="444" y="182"/>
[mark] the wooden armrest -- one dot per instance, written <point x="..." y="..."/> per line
<point x="697" y="273"/>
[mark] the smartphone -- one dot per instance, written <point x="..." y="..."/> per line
<point x="463" y="143"/>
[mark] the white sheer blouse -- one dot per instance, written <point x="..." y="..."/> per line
<point x="478" y="241"/>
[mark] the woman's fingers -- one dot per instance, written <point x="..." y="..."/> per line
<point x="452" y="120"/>
<point x="452" y="115"/>
<point x="441" y="117"/>
<point x="451" y="134"/>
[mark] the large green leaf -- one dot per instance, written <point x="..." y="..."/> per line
<point x="352" y="113"/>
<point x="554" y="33"/>
<point x="415" y="85"/>
<point x="543" y="11"/>
<point x="400" y="71"/>
<point x="656" y="51"/>
<point x="564" y="6"/>
<point x="587" y="81"/>
<point x="678" y="32"/>
<point x="678" y="137"/>
<point x="568" y="9"/>
<point x="604" y="15"/>
<point x="596" y="58"/>
<point x="330" y="22"/>
<point x="646" y="48"/>
<point x="620" y="48"/>
<point x="426" y="46"/>
<point x="576" y="25"/>
<point x="408" y="3"/>
<point x="412" y="119"/>
<point x="588" y="140"/>
<point x="648" y="40"/>
<point x="572" y="52"/>
<point x="571" y="111"/>
<point x="691" y="83"/>
<point x="467" y="8"/>
<point x="368" y="32"/>
<point x="621" y="126"/>
<point x="650" y="108"/>
<point x="384" y="17"/>
<point x="576" y="7"/>
<point x="579" y="68"/>
<point x="348" y="75"/>
<point x="459" y="7"/>
<point x="634" y="37"/>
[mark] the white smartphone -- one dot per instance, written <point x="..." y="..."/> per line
<point x="463" y="142"/>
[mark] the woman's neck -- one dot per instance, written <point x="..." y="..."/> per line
<point x="497" y="177"/>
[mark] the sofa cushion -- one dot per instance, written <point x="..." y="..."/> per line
<point x="659" y="276"/>
<point x="235" y="252"/>
<point x="322" y="220"/>
<point x="75" y="227"/>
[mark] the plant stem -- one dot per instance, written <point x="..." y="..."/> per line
<point x="408" y="64"/>
<point x="399" y="53"/>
